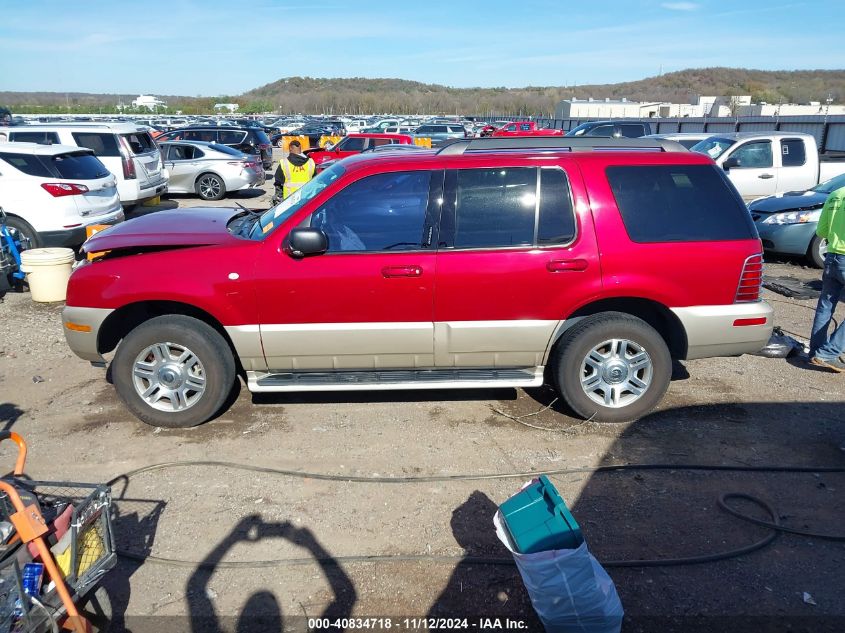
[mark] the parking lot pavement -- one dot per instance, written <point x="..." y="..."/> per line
<point x="745" y="411"/>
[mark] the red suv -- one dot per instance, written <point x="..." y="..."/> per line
<point x="590" y="263"/>
<point x="352" y="144"/>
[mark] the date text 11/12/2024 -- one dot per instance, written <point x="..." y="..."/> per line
<point x="418" y="624"/>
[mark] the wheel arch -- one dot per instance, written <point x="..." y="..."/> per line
<point x="126" y="318"/>
<point x="657" y="315"/>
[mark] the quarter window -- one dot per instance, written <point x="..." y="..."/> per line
<point x="28" y="164"/>
<point x="102" y="144"/>
<point x="792" y="152"/>
<point x="384" y="212"/>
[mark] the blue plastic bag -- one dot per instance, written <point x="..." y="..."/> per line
<point x="570" y="591"/>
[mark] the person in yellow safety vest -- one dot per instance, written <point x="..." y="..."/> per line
<point x="294" y="170"/>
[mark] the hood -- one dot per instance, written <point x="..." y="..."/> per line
<point x="177" y="227"/>
<point x="788" y="201"/>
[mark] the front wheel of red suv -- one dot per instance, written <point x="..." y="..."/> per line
<point x="612" y="367"/>
<point x="173" y="371"/>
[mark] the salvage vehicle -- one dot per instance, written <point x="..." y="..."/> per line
<point x="355" y="144"/>
<point x="525" y="128"/>
<point x="334" y="288"/>
<point x="614" y="129"/>
<point x="210" y="170"/>
<point x="763" y="164"/>
<point x="127" y="149"/>
<point x="787" y="221"/>
<point x="441" y="132"/>
<point x="247" y="140"/>
<point x="50" y="193"/>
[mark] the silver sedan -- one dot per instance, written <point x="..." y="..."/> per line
<point x="209" y="170"/>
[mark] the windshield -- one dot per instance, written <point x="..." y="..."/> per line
<point x="275" y="216"/>
<point x="829" y="186"/>
<point x="713" y="146"/>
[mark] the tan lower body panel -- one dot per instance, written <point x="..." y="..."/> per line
<point x="711" y="330"/>
<point x="518" y="343"/>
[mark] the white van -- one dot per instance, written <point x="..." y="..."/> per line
<point x="127" y="149"/>
<point x="52" y="192"/>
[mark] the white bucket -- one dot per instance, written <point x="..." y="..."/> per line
<point x="47" y="271"/>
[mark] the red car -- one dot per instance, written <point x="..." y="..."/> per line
<point x="491" y="263"/>
<point x="524" y="128"/>
<point x="353" y="144"/>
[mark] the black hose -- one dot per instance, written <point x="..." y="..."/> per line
<point x="773" y="524"/>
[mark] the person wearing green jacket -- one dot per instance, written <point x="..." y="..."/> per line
<point x="825" y="349"/>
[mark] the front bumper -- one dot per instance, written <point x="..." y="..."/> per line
<point x="84" y="343"/>
<point x="713" y="330"/>
<point x="789" y="239"/>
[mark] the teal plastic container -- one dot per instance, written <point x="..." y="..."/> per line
<point x="538" y="520"/>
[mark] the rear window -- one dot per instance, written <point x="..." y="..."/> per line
<point x="103" y="144"/>
<point x="225" y="149"/>
<point x="140" y="143"/>
<point x="679" y="203"/>
<point x="28" y="164"/>
<point x="79" y="166"/>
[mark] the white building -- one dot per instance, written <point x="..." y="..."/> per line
<point x="605" y="109"/>
<point x="150" y="102"/>
<point x="231" y="107"/>
<point x="790" y="109"/>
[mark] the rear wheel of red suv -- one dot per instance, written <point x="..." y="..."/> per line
<point x="173" y="371"/>
<point x="612" y="367"/>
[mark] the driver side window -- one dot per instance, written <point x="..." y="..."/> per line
<point x="755" y="155"/>
<point x="382" y="212"/>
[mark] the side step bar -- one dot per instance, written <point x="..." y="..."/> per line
<point x="393" y="379"/>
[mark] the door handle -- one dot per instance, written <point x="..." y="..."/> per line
<point x="562" y="265"/>
<point x="402" y="271"/>
<point x="766" y="176"/>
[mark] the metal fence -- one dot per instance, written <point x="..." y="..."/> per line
<point x="829" y="131"/>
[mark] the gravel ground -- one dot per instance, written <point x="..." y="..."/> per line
<point x="745" y="411"/>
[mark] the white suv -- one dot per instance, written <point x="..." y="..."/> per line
<point x="52" y="192"/>
<point x="127" y="149"/>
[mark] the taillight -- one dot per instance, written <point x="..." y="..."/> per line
<point x="61" y="189"/>
<point x="126" y="160"/>
<point x="751" y="280"/>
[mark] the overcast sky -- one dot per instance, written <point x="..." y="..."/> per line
<point x="218" y="47"/>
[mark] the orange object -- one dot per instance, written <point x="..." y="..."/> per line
<point x="29" y="523"/>
<point x="17" y="439"/>
<point x="90" y="230"/>
<point x="77" y="327"/>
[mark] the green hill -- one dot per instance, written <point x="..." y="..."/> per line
<point x="363" y="96"/>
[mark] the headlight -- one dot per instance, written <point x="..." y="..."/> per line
<point x="794" y="217"/>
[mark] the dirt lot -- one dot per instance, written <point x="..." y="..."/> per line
<point x="746" y="411"/>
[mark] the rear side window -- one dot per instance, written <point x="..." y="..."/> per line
<point x="140" y="143"/>
<point x="232" y="137"/>
<point x="353" y="144"/>
<point x="631" y="131"/>
<point x="556" y="224"/>
<point x="28" y="164"/>
<point x="79" y="166"/>
<point x="44" y="138"/>
<point x="103" y="144"/>
<point x="792" y="152"/>
<point x="679" y="203"/>
<point x="495" y="207"/>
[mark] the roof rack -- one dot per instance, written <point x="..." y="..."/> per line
<point x="559" y="143"/>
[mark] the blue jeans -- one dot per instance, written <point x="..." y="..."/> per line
<point x="833" y="281"/>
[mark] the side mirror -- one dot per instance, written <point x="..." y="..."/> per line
<point x="730" y="163"/>
<point x="307" y="241"/>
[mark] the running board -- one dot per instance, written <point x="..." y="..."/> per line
<point x="393" y="379"/>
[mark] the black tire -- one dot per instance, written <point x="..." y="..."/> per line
<point x="815" y="254"/>
<point x="280" y="143"/>
<point x="214" y="364"/>
<point x="210" y="186"/>
<point x="23" y="231"/>
<point x="97" y="609"/>
<point x="570" y="366"/>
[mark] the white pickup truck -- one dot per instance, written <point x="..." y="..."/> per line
<point x="765" y="163"/>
